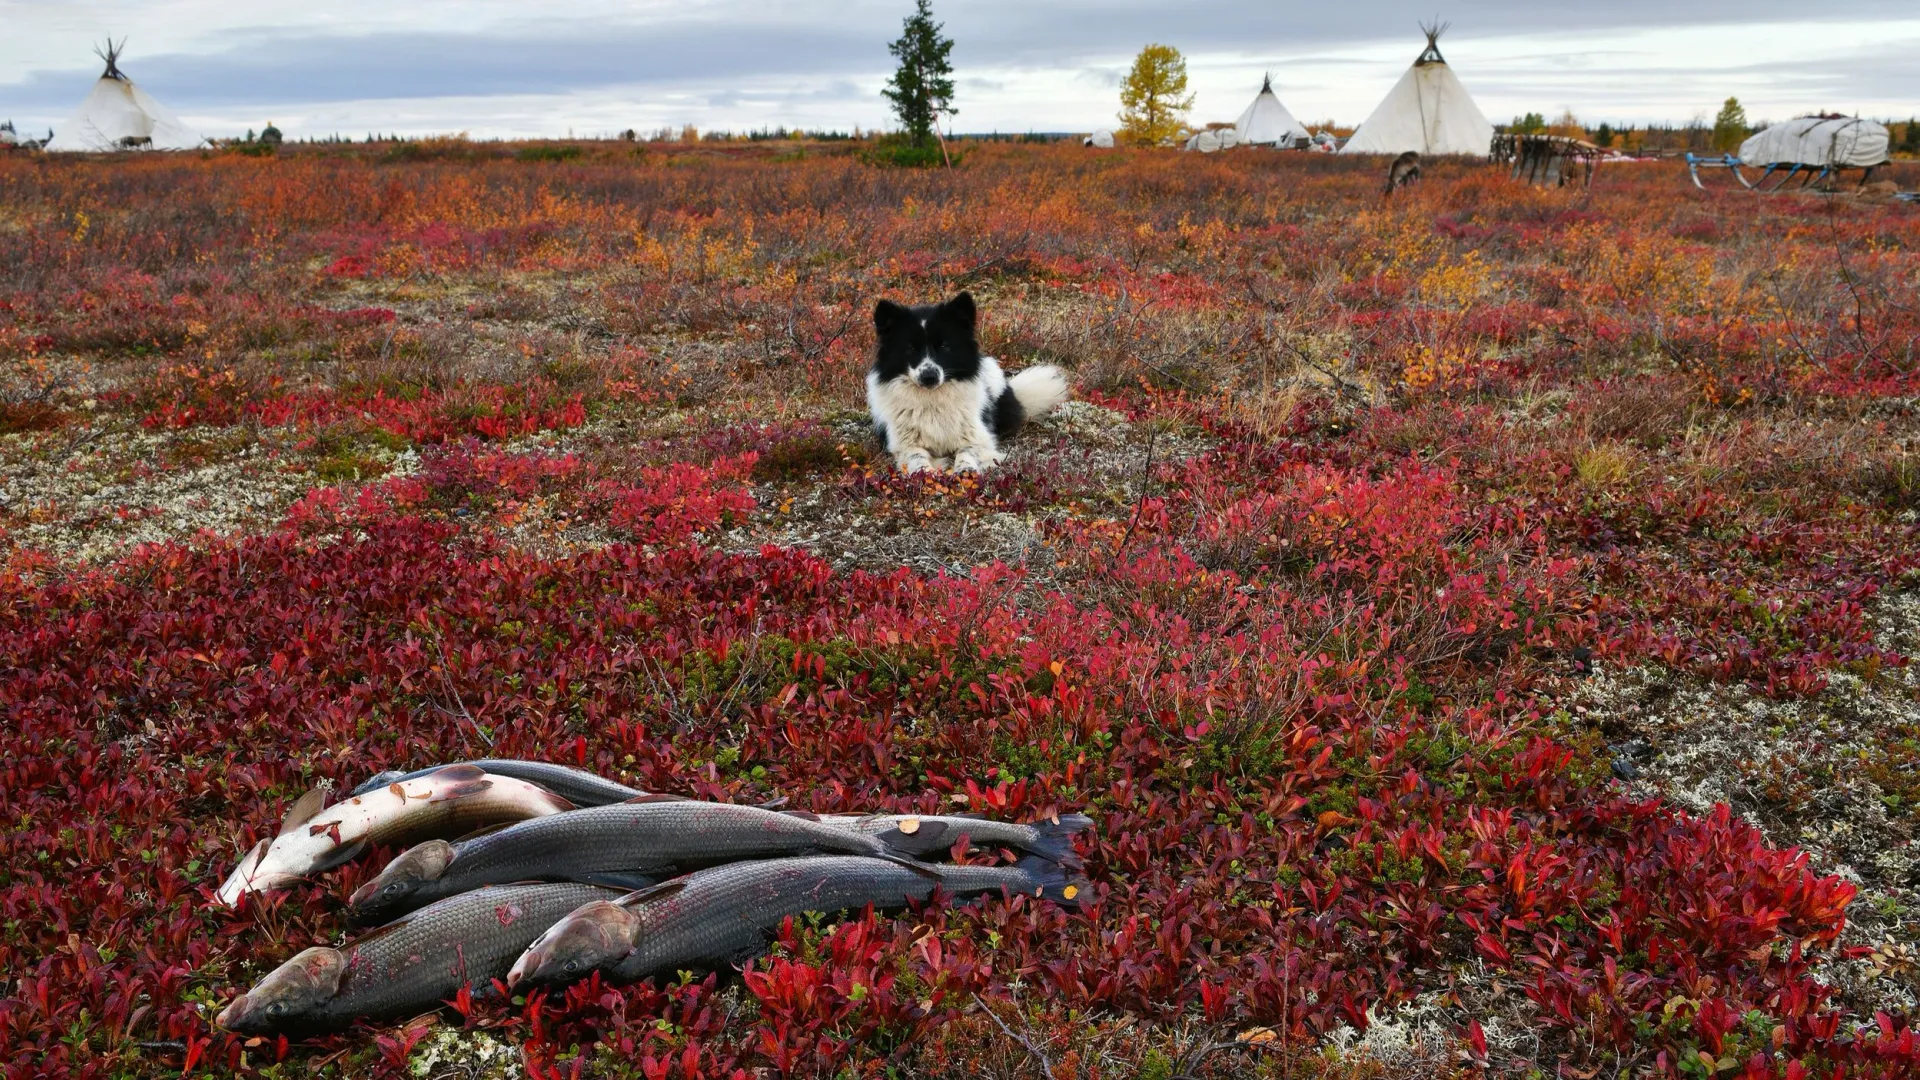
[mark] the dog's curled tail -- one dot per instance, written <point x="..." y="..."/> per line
<point x="1038" y="388"/>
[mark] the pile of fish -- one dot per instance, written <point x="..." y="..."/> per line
<point x="537" y="874"/>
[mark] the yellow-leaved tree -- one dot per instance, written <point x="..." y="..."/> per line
<point x="1154" y="99"/>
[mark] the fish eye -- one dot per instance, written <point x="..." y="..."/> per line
<point x="571" y="966"/>
<point x="394" y="888"/>
<point x="276" y="1008"/>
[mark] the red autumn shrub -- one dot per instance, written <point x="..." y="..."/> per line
<point x="1362" y="486"/>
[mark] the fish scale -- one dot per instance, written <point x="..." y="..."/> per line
<point x="721" y="916"/>
<point x="423" y="960"/>
<point x="657" y="838"/>
<point x="687" y="834"/>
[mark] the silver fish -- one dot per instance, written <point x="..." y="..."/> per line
<point x="715" y="918"/>
<point x="446" y="802"/>
<point x="628" y="844"/>
<point x="406" y="967"/>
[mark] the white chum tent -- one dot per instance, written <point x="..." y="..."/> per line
<point x="1427" y="111"/>
<point x="1845" y="142"/>
<point x="118" y="115"/>
<point x="1267" y="122"/>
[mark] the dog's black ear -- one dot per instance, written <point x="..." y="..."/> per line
<point x="962" y="310"/>
<point x="887" y="315"/>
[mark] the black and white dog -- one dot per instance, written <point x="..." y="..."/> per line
<point x="933" y="396"/>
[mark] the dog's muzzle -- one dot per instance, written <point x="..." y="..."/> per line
<point x="928" y="375"/>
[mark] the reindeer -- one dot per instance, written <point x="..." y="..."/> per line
<point x="1404" y="170"/>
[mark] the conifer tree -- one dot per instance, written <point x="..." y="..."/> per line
<point x="1730" y="127"/>
<point x="922" y="88"/>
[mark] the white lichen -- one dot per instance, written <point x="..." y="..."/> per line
<point x="469" y="1055"/>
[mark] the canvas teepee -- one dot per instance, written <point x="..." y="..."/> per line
<point x="1427" y="111"/>
<point x="118" y="115"/>
<point x="1267" y="122"/>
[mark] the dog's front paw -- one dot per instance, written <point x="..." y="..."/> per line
<point x="975" y="461"/>
<point x="913" y="461"/>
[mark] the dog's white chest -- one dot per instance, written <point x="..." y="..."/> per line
<point x="943" y="419"/>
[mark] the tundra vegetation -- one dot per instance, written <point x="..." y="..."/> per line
<point x="1383" y="539"/>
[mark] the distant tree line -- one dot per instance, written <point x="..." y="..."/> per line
<point x="1729" y="128"/>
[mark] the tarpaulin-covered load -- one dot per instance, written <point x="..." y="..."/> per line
<point x="1213" y="139"/>
<point x="1841" y="142"/>
<point x="1206" y="142"/>
<point x="1102" y="139"/>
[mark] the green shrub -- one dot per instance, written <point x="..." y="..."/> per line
<point x="896" y="151"/>
<point x="548" y="153"/>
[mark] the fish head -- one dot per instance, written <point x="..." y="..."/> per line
<point x="591" y="938"/>
<point x="402" y="878"/>
<point x="288" y="995"/>
<point x="258" y="872"/>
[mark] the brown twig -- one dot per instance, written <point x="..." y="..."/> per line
<point x="1146" y="481"/>
<point x="1046" y="1067"/>
<point x="446" y="680"/>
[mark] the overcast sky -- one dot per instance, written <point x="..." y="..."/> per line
<point x="591" y="67"/>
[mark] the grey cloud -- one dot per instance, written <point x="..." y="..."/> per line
<point x="266" y="69"/>
<point x="1061" y="32"/>
<point x="1873" y="74"/>
<point x="837" y="90"/>
<point x="734" y="51"/>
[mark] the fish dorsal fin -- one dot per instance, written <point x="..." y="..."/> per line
<point x="654" y="797"/>
<point x="803" y="815"/>
<point x="461" y="781"/>
<point x="652" y="892"/>
<point x="303" y="809"/>
<point x="486" y="830"/>
<point x="922" y="869"/>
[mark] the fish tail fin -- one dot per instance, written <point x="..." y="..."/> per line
<point x="1054" y="839"/>
<point x="1051" y="881"/>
